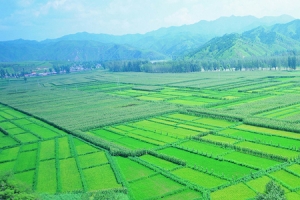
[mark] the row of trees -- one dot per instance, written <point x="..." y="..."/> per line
<point x="178" y="66"/>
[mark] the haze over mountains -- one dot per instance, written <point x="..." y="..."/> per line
<point x="226" y="37"/>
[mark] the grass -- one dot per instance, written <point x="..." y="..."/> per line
<point x="132" y="170"/>
<point x="7" y="125"/>
<point x="83" y="147"/>
<point x="268" y="131"/>
<point x="154" y="186"/>
<point x="100" y="178"/>
<point x="6" y="167"/>
<point x="134" y="143"/>
<point x="221" y="139"/>
<point x="159" y="162"/>
<point x="63" y="148"/>
<point x="46" y="178"/>
<point x="186" y="194"/>
<point x="287" y="178"/>
<point x="27" y="137"/>
<point x="155" y="136"/>
<point x="208" y="164"/>
<point x="106" y="134"/>
<point x="215" y="122"/>
<point x="234" y="192"/>
<point x="15" y="131"/>
<point x="6" y="141"/>
<point x="269" y="139"/>
<point x="9" y="154"/>
<point x="26" y="161"/>
<point x="259" y="184"/>
<point x="204" y="148"/>
<point x="47" y="150"/>
<point x="295" y="168"/>
<point x="69" y="175"/>
<point x="269" y="149"/>
<point x="92" y="159"/>
<point x="29" y="147"/>
<point x="41" y="131"/>
<point x="199" y="178"/>
<point x="250" y="160"/>
<point x="26" y="177"/>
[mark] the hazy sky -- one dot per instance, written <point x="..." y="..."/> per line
<point x="42" y="19"/>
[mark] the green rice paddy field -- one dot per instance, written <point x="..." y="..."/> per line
<point x="153" y="136"/>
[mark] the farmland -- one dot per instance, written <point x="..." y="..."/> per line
<point x="153" y="136"/>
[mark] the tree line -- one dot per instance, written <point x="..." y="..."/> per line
<point x="180" y="66"/>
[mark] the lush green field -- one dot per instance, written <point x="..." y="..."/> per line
<point x="153" y="136"/>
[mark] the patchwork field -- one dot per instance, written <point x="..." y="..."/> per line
<point x="153" y="136"/>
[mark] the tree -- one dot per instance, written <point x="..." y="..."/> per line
<point x="273" y="192"/>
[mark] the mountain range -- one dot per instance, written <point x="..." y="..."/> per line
<point x="224" y="38"/>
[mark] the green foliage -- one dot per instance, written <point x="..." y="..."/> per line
<point x="12" y="189"/>
<point x="273" y="192"/>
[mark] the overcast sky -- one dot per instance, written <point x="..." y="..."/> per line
<point x="42" y="19"/>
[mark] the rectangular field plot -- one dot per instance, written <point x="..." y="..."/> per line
<point x="15" y="131"/>
<point x="6" y="167"/>
<point x="269" y="139"/>
<point x="193" y="101"/>
<point x="154" y="186"/>
<point x="108" y="135"/>
<point x="293" y="196"/>
<point x="209" y="164"/>
<point x="199" y="178"/>
<point x="159" y="162"/>
<point x="204" y="147"/>
<point x="7" y="125"/>
<point x="259" y="184"/>
<point x="295" y="168"/>
<point x="215" y="122"/>
<point x="145" y="139"/>
<point x="250" y="160"/>
<point x="269" y="149"/>
<point x="26" y="161"/>
<point x="22" y="122"/>
<point x="186" y="194"/>
<point x="47" y="149"/>
<point x="29" y="147"/>
<point x="132" y="170"/>
<point x="281" y="113"/>
<point x="164" y="129"/>
<point x="92" y="159"/>
<point x="289" y="179"/>
<point x="154" y="135"/>
<point x="9" y="154"/>
<point x="14" y="113"/>
<point x="69" y="175"/>
<point x="83" y="147"/>
<point x="100" y="178"/>
<point x="6" y="141"/>
<point x="46" y="178"/>
<point x="26" y="177"/>
<point x="41" y="131"/>
<point x="6" y="115"/>
<point x="268" y="131"/>
<point x="63" y="147"/>
<point x="220" y="139"/>
<point x="234" y="192"/>
<point x="183" y="117"/>
<point x="27" y="137"/>
<point x="134" y="143"/>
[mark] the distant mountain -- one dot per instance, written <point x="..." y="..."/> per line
<point x="21" y="50"/>
<point x="160" y="44"/>
<point x="261" y="41"/>
<point x="177" y="40"/>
